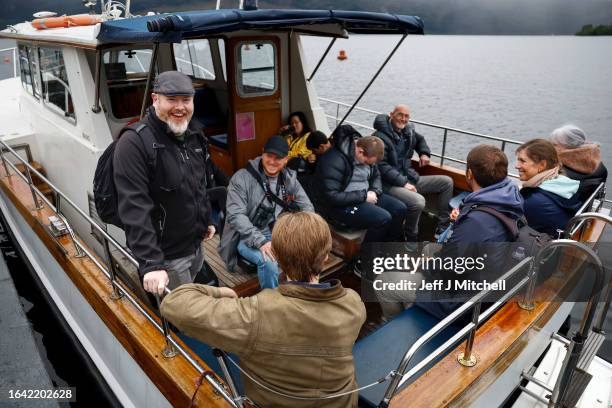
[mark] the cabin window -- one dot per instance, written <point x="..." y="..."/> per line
<point x="55" y="87"/>
<point x="127" y="64"/>
<point x="193" y="57"/>
<point x="256" y="68"/>
<point x="126" y="74"/>
<point x="28" y="69"/>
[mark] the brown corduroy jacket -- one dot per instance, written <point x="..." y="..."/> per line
<point x="297" y="339"/>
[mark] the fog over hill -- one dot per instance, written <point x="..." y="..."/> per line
<point x="490" y="17"/>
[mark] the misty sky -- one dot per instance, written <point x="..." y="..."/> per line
<point x="440" y="16"/>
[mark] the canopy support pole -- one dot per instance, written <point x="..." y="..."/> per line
<point x="322" y="58"/>
<point x="371" y="81"/>
<point x="149" y="79"/>
<point x="96" y="106"/>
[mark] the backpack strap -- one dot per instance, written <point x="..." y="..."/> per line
<point x="269" y="194"/>
<point x="511" y="225"/>
<point x="149" y="140"/>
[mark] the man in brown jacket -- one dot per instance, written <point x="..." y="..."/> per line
<point x="298" y="338"/>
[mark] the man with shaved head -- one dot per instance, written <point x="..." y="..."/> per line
<point x="400" y="179"/>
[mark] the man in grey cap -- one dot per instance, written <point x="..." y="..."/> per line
<point x="160" y="178"/>
<point x="257" y="195"/>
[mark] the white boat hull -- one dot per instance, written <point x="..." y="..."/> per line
<point x="130" y="384"/>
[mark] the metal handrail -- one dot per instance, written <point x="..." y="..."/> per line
<point x="401" y="376"/>
<point x="442" y="156"/>
<point x="503" y="141"/>
<point x="578" y="220"/>
<point x="598" y="194"/>
<point x="117" y="284"/>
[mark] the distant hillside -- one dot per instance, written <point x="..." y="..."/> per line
<point x="541" y="17"/>
<point x="589" y="29"/>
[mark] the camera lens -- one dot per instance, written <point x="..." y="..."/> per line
<point x="161" y="24"/>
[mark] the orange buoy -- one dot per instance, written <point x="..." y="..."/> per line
<point x="66" y="21"/>
<point x="342" y="55"/>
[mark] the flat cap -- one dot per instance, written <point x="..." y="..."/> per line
<point x="173" y="83"/>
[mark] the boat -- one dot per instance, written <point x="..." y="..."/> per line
<point x="80" y="85"/>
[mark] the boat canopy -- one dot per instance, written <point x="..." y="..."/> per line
<point x="192" y="24"/>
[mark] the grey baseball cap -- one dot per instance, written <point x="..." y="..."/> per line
<point x="173" y="83"/>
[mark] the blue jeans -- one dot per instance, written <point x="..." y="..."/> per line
<point x="267" y="271"/>
<point x="383" y="220"/>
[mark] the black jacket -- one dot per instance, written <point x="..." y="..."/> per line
<point x="163" y="206"/>
<point x="334" y="172"/>
<point x="588" y="182"/>
<point x="393" y="175"/>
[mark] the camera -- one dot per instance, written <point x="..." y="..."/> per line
<point x="287" y="131"/>
<point x="161" y="24"/>
<point x="264" y="214"/>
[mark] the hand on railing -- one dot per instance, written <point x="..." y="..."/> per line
<point x="155" y="281"/>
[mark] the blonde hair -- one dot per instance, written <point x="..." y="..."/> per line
<point x="301" y="242"/>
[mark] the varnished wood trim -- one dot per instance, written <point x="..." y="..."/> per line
<point x="174" y="377"/>
<point x="435" y="169"/>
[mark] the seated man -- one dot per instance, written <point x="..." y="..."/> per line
<point x="400" y="179"/>
<point x="318" y="144"/>
<point x="256" y="196"/>
<point x="297" y="339"/>
<point x="349" y="190"/>
<point x="487" y="177"/>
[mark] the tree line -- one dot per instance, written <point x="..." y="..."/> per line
<point x="590" y="29"/>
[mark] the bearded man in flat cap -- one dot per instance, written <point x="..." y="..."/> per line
<point x="160" y="177"/>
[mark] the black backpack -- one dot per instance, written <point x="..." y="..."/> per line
<point x="522" y="234"/>
<point x="105" y="193"/>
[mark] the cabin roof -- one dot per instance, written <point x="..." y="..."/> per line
<point x="80" y="36"/>
<point x="193" y="24"/>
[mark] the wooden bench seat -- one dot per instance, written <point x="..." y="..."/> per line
<point x="246" y="284"/>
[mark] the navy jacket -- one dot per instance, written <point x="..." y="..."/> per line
<point x="393" y="174"/>
<point x="546" y="211"/>
<point x="334" y="172"/>
<point x="474" y="227"/>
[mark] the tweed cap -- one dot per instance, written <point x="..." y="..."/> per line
<point x="173" y="83"/>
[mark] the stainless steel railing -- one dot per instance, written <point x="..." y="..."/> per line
<point x="442" y="155"/>
<point x="119" y="288"/>
<point x="469" y="331"/>
<point x="504" y="142"/>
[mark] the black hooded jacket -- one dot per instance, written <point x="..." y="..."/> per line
<point x="588" y="182"/>
<point x="163" y="207"/>
<point x="392" y="172"/>
<point x="334" y="172"/>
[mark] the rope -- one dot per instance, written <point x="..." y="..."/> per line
<point x="198" y="385"/>
<point x="265" y="387"/>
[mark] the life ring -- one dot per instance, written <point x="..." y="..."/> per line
<point x="66" y="21"/>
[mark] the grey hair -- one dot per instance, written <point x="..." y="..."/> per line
<point x="569" y="135"/>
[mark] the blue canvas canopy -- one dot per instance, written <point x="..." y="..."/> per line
<point x="184" y="25"/>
